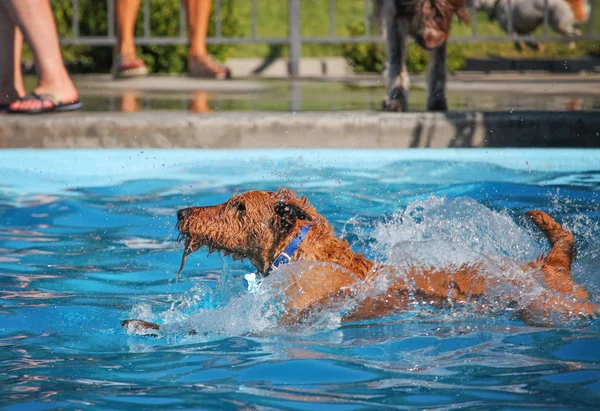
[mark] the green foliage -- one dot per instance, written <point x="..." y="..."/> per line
<point x="457" y="57"/>
<point x="370" y="58"/>
<point x="164" y="22"/>
<point x="364" y="57"/>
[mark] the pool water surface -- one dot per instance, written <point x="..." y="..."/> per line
<point x="88" y="238"/>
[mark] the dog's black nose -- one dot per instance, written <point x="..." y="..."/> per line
<point x="181" y="214"/>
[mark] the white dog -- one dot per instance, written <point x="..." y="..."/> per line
<point x="528" y="15"/>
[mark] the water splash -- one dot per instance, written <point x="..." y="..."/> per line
<point x="434" y="232"/>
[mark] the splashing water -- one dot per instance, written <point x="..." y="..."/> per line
<point x="435" y="232"/>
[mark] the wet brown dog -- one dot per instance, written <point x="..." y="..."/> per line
<point x="259" y="225"/>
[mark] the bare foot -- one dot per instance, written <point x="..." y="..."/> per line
<point x="65" y="93"/>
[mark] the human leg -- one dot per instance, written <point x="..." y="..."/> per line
<point x="11" y="79"/>
<point x="126" y="63"/>
<point x="200" y="63"/>
<point x="35" y="19"/>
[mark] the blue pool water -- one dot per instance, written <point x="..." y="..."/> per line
<point x="87" y="238"/>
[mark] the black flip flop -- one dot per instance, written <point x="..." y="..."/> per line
<point x="57" y="105"/>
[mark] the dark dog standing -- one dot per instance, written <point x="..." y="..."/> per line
<point x="429" y="23"/>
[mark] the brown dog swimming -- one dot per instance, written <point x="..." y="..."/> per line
<point x="272" y="228"/>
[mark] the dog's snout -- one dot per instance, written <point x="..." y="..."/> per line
<point x="182" y="214"/>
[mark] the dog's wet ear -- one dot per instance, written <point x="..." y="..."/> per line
<point x="289" y="212"/>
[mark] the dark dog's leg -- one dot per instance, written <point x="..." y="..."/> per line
<point x="437" y="80"/>
<point x="398" y="79"/>
<point x="519" y="45"/>
<point x="534" y="45"/>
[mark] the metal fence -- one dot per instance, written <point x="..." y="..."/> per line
<point x="294" y="39"/>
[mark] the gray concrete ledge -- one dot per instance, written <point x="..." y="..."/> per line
<point x="302" y="130"/>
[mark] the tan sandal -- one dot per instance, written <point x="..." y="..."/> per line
<point x="205" y="66"/>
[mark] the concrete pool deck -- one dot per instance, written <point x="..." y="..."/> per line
<point x="172" y="129"/>
<point x="276" y="125"/>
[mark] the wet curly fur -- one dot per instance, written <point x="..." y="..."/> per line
<point x="258" y="225"/>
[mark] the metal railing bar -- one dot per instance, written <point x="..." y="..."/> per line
<point x="456" y="39"/>
<point x="510" y="18"/>
<point x="182" y="19"/>
<point x="106" y="41"/>
<point x="110" y="17"/>
<point x="295" y="39"/>
<point x="146" y="18"/>
<point x="367" y="18"/>
<point x="218" y="18"/>
<point x="546" y="16"/>
<point x="253" y="35"/>
<point x="75" y="18"/>
<point x="473" y="12"/>
<point x="332" y="18"/>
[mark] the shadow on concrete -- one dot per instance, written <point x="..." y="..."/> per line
<point x="534" y="129"/>
<point x="275" y="51"/>
<point x="519" y="129"/>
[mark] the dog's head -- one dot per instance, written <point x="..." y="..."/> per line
<point x="256" y="225"/>
<point x="432" y="20"/>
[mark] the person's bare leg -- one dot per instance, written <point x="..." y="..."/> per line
<point x="18" y="72"/>
<point x="35" y="19"/>
<point x="200" y="63"/>
<point x="126" y="63"/>
<point x="126" y="14"/>
<point x="11" y="79"/>
<point x="198" y="13"/>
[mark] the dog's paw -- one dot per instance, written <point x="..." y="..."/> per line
<point x="141" y="327"/>
<point x="438" y="104"/>
<point x="396" y="100"/>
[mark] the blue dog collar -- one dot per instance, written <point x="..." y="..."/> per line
<point x="287" y="254"/>
<point x="252" y="280"/>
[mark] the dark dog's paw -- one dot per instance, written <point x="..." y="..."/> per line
<point x="437" y="105"/>
<point x="396" y="100"/>
<point x="393" y="105"/>
<point x="141" y="327"/>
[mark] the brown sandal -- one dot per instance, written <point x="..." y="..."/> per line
<point x="205" y="66"/>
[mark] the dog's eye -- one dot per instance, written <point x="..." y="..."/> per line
<point x="240" y="207"/>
